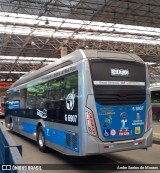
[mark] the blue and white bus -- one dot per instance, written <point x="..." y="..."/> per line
<point x="87" y="103"/>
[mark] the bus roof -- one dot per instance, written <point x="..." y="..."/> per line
<point x="75" y="57"/>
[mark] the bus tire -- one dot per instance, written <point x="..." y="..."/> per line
<point x="41" y="140"/>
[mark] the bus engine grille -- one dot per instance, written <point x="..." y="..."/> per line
<point x="68" y="139"/>
<point x="72" y="140"/>
<point x="120" y="100"/>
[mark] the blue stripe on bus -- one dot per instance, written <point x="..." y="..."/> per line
<point x="29" y="128"/>
<point x="53" y="135"/>
<point x="59" y="137"/>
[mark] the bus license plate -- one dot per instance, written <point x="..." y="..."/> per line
<point x="124" y="132"/>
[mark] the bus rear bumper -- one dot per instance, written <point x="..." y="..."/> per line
<point x="99" y="147"/>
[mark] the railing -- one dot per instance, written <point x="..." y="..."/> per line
<point x="10" y="153"/>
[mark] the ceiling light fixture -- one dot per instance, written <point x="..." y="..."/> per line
<point x="33" y="43"/>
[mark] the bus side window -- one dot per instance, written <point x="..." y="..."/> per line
<point x="36" y="96"/>
<point x="56" y="89"/>
<point x="31" y="97"/>
<point x="23" y="97"/>
<point x="71" y="84"/>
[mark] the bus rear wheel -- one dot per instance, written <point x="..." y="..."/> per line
<point x="41" y="139"/>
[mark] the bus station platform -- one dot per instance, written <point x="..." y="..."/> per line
<point x="156" y="132"/>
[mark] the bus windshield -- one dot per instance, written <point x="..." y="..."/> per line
<point x="122" y="75"/>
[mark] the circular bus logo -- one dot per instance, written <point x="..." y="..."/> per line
<point x="70" y="101"/>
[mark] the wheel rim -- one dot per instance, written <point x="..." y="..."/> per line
<point x="41" y="139"/>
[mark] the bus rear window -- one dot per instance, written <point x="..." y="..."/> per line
<point x="109" y="76"/>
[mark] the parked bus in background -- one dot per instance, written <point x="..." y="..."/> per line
<point x="89" y="102"/>
<point x="2" y="100"/>
<point x="155" y="99"/>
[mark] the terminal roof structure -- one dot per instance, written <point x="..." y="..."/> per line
<point x="33" y="32"/>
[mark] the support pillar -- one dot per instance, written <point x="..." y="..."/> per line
<point x="63" y="51"/>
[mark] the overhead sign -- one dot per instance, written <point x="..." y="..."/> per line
<point x="119" y="72"/>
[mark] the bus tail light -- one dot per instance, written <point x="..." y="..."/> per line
<point x="138" y="143"/>
<point x="149" y="118"/>
<point x="90" y="123"/>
